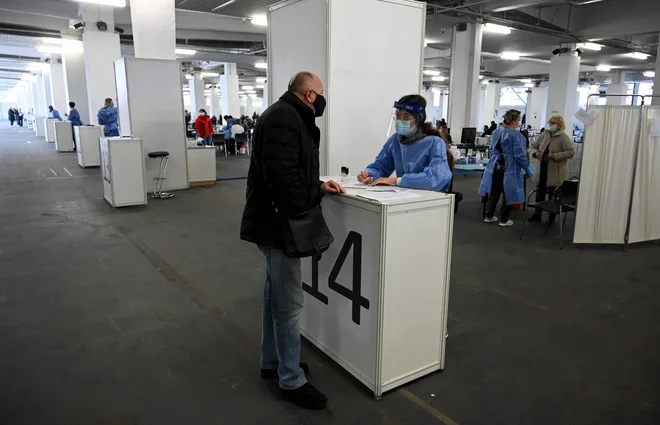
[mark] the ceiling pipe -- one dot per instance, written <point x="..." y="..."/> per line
<point x="585" y="2"/>
<point x="447" y="9"/>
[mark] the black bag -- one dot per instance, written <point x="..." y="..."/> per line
<point x="306" y="234"/>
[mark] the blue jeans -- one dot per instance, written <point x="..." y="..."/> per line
<point x="282" y="304"/>
<point x="208" y="141"/>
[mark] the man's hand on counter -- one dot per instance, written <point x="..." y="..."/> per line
<point x="384" y="182"/>
<point x="332" y="187"/>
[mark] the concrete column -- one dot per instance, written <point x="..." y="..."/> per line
<point x="464" y="78"/>
<point x="618" y="86"/>
<point x="215" y="102"/>
<point x="564" y="76"/>
<point x="492" y="103"/>
<point x="249" y="110"/>
<point x="75" y="83"/>
<point x="47" y="90"/>
<point x="35" y="98"/>
<point x="197" y="100"/>
<point x="229" y="87"/>
<point x="58" y="92"/>
<point x="154" y="29"/>
<point x="536" y="107"/>
<point x="101" y="51"/>
<point x="656" y="82"/>
<point x="29" y="98"/>
<point x="266" y="103"/>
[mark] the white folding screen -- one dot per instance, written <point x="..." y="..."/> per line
<point x="606" y="175"/>
<point x="645" y="215"/>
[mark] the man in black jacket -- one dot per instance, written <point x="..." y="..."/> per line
<point x="284" y="180"/>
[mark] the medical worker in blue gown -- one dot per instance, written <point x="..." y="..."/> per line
<point x="74" y="115"/>
<point x="107" y="116"/>
<point x="508" y="156"/>
<point x="416" y="152"/>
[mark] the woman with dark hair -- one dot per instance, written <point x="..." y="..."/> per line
<point x="508" y="156"/>
<point x="204" y="128"/>
<point x="416" y="152"/>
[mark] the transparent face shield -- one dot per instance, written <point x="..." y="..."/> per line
<point x="405" y="119"/>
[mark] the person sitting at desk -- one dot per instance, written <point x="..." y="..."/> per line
<point x="416" y="152"/>
<point x="52" y="113"/>
<point x="502" y="174"/>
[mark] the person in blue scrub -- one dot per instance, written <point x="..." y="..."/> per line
<point x="74" y="115"/>
<point x="508" y="155"/>
<point x="416" y="152"/>
<point x="107" y="116"/>
<point x="52" y="113"/>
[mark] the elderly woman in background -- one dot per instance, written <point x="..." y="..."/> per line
<point x="552" y="150"/>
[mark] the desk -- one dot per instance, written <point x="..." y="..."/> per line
<point x="376" y="302"/>
<point x="122" y="170"/>
<point x="87" y="145"/>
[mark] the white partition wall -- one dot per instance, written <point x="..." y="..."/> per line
<point x="354" y="57"/>
<point x="151" y="108"/>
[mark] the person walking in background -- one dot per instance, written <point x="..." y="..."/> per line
<point x="502" y="176"/>
<point x="283" y="182"/>
<point x="52" y="113"/>
<point x="11" y="114"/>
<point x="74" y="115"/>
<point x="552" y="150"/>
<point x="19" y="117"/>
<point x="204" y="128"/>
<point x="108" y="117"/>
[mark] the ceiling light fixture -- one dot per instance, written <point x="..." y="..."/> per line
<point x="115" y="3"/>
<point x="484" y="82"/>
<point x="650" y="74"/>
<point x="431" y="72"/>
<point x="594" y="87"/>
<point x="603" y="68"/>
<point x="223" y="5"/>
<point x="241" y="92"/>
<point x="261" y="65"/>
<point x="513" y="56"/>
<point x="498" y="29"/>
<point x="210" y="74"/>
<point x="28" y="77"/>
<point x="526" y="80"/>
<point x="529" y="85"/>
<point x="37" y="66"/>
<point x="638" y="55"/>
<point x="184" y="51"/>
<point x="260" y="20"/>
<point x="592" y="46"/>
<point x="481" y="77"/>
<point x="259" y="86"/>
<point x="261" y="79"/>
<point x="438" y="78"/>
<point x="247" y="87"/>
<point x="189" y="77"/>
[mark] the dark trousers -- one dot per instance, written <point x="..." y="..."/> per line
<point x="497" y="190"/>
<point x="541" y="196"/>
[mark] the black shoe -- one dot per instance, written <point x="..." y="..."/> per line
<point x="272" y="373"/>
<point x="306" y="397"/>
<point x="535" y="218"/>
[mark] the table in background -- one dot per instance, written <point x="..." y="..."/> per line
<point x="472" y="169"/>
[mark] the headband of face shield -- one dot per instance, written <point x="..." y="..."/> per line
<point x="406" y="118"/>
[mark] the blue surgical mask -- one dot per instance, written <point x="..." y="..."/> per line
<point x="403" y="128"/>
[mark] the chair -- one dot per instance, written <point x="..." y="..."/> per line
<point x="158" y="181"/>
<point x="563" y="200"/>
<point x="219" y="140"/>
<point x="240" y="139"/>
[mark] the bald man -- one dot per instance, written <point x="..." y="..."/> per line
<point x="283" y="182"/>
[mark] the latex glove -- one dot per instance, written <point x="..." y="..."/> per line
<point x="363" y="177"/>
<point x="529" y="171"/>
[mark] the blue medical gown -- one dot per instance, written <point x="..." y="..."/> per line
<point x="108" y="118"/>
<point x="515" y="158"/>
<point x="421" y="165"/>
<point x="74" y="117"/>
<point x="56" y="115"/>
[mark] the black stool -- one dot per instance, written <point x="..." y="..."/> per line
<point x="158" y="181"/>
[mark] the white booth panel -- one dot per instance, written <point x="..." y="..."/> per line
<point x="63" y="136"/>
<point x="48" y="129"/>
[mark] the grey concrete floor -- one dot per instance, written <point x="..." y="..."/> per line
<point x="150" y="315"/>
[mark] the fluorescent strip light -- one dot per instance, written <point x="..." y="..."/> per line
<point x="210" y="74"/>
<point x="259" y="86"/>
<point x="498" y="29"/>
<point x="638" y="55"/>
<point x="189" y="77"/>
<point x="431" y="72"/>
<point x="649" y="74"/>
<point x="28" y="77"/>
<point x="184" y="51"/>
<point x="241" y="92"/>
<point x="116" y="3"/>
<point x="223" y="5"/>
<point x="604" y="68"/>
<point x="262" y="65"/>
<point x="529" y="85"/>
<point x="592" y="46"/>
<point x="38" y="66"/>
<point x="484" y="82"/>
<point x="250" y="91"/>
<point x="437" y="78"/>
<point x="594" y="87"/>
<point x="510" y="56"/>
<point x="260" y="20"/>
<point x="261" y="79"/>
<point x="525" y="80"/>
<point x="426" y="42"/>
<point x="247" y="88"/>
<point x="481" y="77"/>
<point x="49" y="40"/>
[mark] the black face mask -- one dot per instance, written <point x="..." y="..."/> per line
<point x="319" y="105"/>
